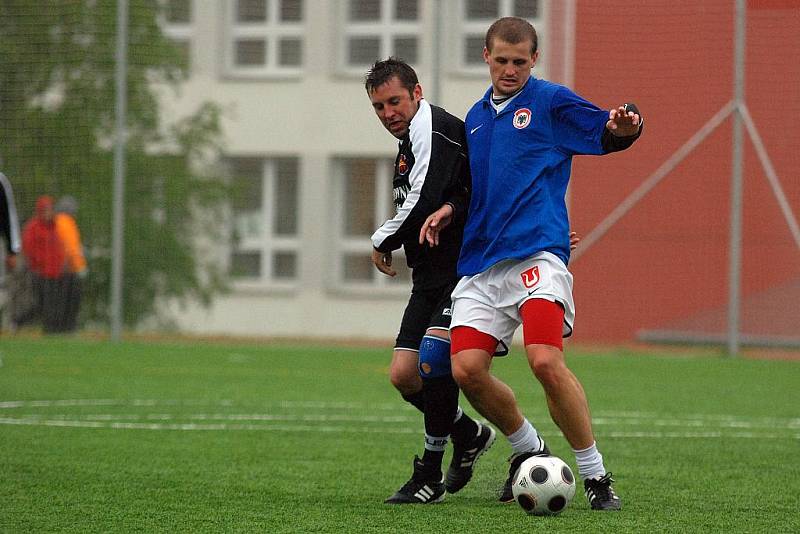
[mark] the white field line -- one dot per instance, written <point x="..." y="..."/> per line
<point x="395" y="407"/>
<point x="691" y="425"/>
<point x="358" y="429"/>
<point x="414" y="419"/>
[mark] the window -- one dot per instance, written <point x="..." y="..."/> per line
<point x="265" y="37"/>
<point x="376" y="29"/>
<point x="265" y="212"/>
<point x="366" y="202"/>
<point x="478" y="15"/>
<point x="176" y="23"/>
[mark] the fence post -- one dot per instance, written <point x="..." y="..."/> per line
<point x="737" y="148"/>
<point x="118" y="205"/>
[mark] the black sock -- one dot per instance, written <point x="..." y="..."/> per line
<point x="433" y="459"/>
<point x="464" y="429"/>
<point x="417" y="400"/>
<point x="441" y="405"/>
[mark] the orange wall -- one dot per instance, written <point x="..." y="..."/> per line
<point x="667" y="260"/>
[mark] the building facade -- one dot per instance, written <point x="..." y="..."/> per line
<point x="305" y="148"/>
<point x="315" y="163"/>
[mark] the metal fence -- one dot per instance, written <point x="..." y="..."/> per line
<point x="691" y="236"/>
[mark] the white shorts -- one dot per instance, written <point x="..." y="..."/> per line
<point x="490" y="301"/>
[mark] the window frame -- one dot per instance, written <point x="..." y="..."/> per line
<point x="268" y="243"/>
<point x="386" y="29"/>
<point x="271" y="32"/>
<point x="477" y="28"/>
<point x="343" y="245"/>
<point x="179" y="32"/>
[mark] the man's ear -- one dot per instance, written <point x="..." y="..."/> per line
<point x="486" y="55"/>
<point x="417" y="94"/>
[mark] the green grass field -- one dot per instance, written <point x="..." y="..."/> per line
<point x="206" y="437"/>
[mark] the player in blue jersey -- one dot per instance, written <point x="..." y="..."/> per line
<point x="521" y="137"/>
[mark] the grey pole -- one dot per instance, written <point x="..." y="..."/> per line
<point x="735" y="267"/>
<point x="118" y="207"/>
<point x="436" y="64"/>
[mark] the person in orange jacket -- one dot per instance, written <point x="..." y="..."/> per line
<point x="76" y="270"/>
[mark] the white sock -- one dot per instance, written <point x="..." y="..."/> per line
<point x="590" y="462"/>
<point x="525" y="439"/>
<point x="436" y="443"/>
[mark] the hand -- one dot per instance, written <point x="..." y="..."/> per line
<point x="434" y="224"/>
<point x="623" y="123"/>
<point x="574" y="239"/>
<point x="383" y="262"/>
<point x="11" y="262"/>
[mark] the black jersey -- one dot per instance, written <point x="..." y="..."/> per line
<point x="9" y="225"/>
<point x="431" y="169"/>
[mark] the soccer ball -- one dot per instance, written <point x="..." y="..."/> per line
<point x="544" y="485"/>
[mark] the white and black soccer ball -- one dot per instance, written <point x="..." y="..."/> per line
<point x="544" y="485"/>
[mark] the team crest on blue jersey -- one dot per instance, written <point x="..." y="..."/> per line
<point x="522" y="118"/>
<point x="402" y="165"/>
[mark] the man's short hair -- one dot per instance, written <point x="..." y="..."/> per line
<point x="513" y="30"/>
<point x="383" y="71"/>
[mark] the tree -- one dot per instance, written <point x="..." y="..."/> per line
<point x="56" y="136"/>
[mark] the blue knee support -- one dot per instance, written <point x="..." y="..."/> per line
<point x="434" y="357"/>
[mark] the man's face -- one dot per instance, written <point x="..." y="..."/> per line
<point x="395" y="106"/>
<point x="509" y="65"/>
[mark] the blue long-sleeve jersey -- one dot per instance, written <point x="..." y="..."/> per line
<point x="520" y="161"/>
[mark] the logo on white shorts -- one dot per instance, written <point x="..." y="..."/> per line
<point x="530" y="277"/>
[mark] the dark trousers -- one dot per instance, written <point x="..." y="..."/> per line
<point x="56" y="301"/>
<point x="70" y="293"/>
<point x="45" y="303"/>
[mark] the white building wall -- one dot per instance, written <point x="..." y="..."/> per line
<point x="318" y="116"/>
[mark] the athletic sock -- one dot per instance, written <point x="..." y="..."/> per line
<point x="434" y="452"/>
<point x="590" y="462"/>
<point x="441" y="405"/>
<point x="417" y="400"/>
<point x="464" y="428"/>
<point x="525" y="439"/>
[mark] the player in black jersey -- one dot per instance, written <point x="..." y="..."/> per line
<point x="9" y="224"/>
<point x="10" y="243"/>
<point x="431" y="172"/>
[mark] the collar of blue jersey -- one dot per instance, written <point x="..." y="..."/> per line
<point x="525" y="96"/>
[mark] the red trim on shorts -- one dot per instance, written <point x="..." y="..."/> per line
<point x="466" y="338"/>
<point x="542" y="322"/>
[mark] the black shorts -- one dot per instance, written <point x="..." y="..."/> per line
<point x="426" y="308"/>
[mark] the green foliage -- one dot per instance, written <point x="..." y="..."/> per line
<point x="213" y="437"/>
<point x="57" y="104"/>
